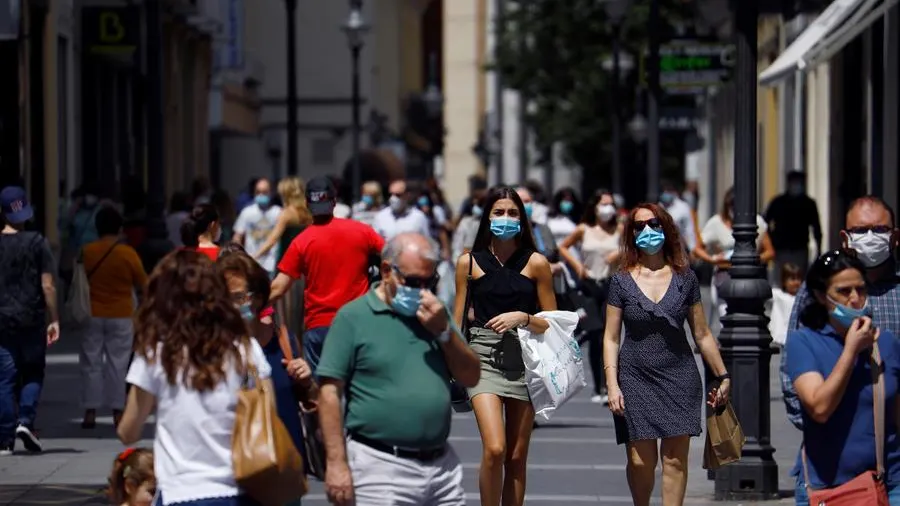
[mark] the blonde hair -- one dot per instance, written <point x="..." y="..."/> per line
<point x="293" y="195"/>
<point x="133" y="466"/>
<point x="374" y="187"/>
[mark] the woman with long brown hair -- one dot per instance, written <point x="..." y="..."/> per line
<point x="192" y="351"/>
<point x="510" y="282"/>
<point x="655" y="391"/>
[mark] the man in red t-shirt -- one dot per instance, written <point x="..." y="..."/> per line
<point x="333" y="255"/>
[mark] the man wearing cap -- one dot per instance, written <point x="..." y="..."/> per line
<point x="27" y="300"/>
<point x="333" y="255"/>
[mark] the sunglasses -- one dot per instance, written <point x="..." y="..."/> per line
<point x="420" y="282"/>
<point x="877" y="229"/>
<point x="653" y="223"/>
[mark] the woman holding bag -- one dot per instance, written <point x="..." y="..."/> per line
<point x="509" y="282"/>
<point x="655" y="391"/>
<point x="190" y="363"/>
<point x="833" y="361"/>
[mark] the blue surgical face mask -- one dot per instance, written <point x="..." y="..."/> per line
<point x="477" y="211"/>
<point x="406" y="300"/>
<point x="566" y="206"/>
<point x="650" y="241"/>
<point x="505" y="228"/>
<point x="368" y="200"/>
<point x="846" y="314"/>
<point x="529" y="208"/>
<point x="666" y="198"/>
<point x="246" y="312"/>
<point x="423" y="202"/>
<point x="262" y="200"/>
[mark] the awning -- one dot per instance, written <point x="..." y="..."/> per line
<point x="839" y="24"/>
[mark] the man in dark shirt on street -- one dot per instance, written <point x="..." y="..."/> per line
<point x="790" y="216"/>
<point x="27" y="299"/>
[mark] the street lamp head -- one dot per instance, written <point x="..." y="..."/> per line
<point x="637" y="127"/>
<point x="355" y="27"/>
<point x="616" y="10"/>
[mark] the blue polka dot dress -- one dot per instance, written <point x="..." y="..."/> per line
<point x="657" y="372"/>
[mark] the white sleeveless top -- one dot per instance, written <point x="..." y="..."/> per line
<point x="596" y="245"/>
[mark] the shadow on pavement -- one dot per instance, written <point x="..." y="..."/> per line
<point x="45" y="495"/>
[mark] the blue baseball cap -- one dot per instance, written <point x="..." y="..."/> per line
<point x="14" y="205"/>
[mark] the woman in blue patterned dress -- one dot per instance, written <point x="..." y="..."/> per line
<point x="655" y="391"/>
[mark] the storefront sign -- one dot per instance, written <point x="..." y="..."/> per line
<point x="111" y="30"/>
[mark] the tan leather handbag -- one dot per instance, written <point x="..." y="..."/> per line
<point x="267" y="465"/>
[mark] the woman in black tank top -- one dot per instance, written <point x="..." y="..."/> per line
<point x="499" y="288"/>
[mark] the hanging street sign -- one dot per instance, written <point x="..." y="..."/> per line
<point x="688" y="66"/>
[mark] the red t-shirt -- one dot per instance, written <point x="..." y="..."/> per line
<point x="212" y="253"/>
<point x="334" y="259"/>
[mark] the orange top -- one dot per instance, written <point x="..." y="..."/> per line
<point x="114" y="281"/>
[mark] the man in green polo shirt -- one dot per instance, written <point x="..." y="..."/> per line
<point x="393" y="352"/>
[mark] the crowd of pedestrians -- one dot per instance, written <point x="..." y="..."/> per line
<point x="408" y="305"/>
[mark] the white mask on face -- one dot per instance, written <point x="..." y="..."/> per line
<point x="606" y="212"/>
<point x="397" y="204"/>
<point x="873" y="249"/>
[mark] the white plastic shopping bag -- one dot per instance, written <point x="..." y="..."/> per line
<point x="554" y="367"/>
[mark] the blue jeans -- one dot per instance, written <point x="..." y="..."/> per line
<point x="215" y="501"/>
<point x="802" y="498"/>
<point x="313" y="341"/>
<point x="23" y="357"/>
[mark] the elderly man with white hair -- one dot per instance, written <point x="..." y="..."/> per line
<point x="394" y="352"/>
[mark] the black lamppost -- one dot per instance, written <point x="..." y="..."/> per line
<point x="156" y="152"/>
<point x="434" y="105"/>
<point x="653" y="92"/>
<point x="290" y="7"/>
<point x="356" y="28"/>
<point x="745" y="340"/>
<point x="616" y="11"/>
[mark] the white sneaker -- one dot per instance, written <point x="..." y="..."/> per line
<point x="600" y="399"/>
<point x="29" y="439"/>
<point x="6" y="450"/>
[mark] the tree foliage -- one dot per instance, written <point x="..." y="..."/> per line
<point x="553" y="52"/>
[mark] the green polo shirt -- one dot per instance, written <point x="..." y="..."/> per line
<point x="396" y="380"/>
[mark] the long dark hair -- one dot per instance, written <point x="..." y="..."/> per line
<point x="483" y="237"/>
<point x="188" y="323"/>
<point x="202" y="216"/>
<point x="672" y="249"/>
<point x="815" y="315"/>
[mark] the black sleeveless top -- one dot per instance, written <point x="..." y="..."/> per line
<point x="502" y="288"/>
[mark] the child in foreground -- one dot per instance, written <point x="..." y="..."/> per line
<point x="132" y="481"/>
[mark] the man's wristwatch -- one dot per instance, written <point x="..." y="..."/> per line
<point x="444" y="337"/>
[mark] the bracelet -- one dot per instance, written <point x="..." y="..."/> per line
<point x="608" y="367"/>
<point x="528" y="322"/>
<point x="723" y="377"/>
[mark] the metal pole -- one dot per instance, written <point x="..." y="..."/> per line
<point x="156" y="149"/>
<point x="357" y="168"/>
<point x="653" y="174"/>
<point x="292" y="121"/>
<point x="617" y="120"/>
<point x="499" y="15"/>
<point x="745" y="341"/>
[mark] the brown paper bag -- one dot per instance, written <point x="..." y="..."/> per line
<point x="724" y="438"/>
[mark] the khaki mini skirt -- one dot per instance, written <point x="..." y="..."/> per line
<point x="502" y="368"/>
